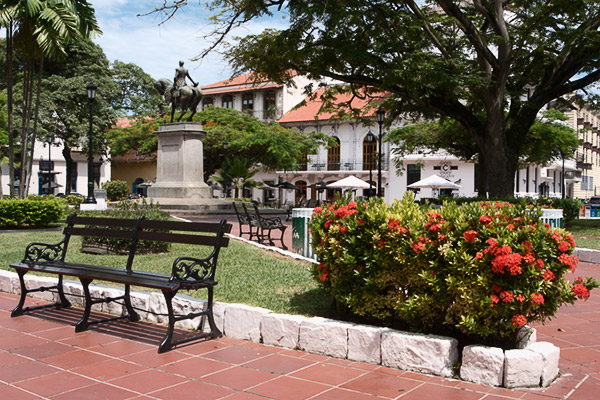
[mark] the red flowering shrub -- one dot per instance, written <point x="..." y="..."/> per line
<point x="483" y="269"/>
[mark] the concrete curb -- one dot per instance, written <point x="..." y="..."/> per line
<point x="534" y="364"/>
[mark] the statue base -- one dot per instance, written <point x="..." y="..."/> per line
<point x="180" y="169"/>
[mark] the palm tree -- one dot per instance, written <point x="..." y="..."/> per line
<point x="238" y="174"/>
<point x="40" y="28"/>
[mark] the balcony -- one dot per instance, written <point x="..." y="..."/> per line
<point x="584" y="166"/>
<point x="347" y="165"/>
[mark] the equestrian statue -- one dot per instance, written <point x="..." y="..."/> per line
<point x="179" y="93"/>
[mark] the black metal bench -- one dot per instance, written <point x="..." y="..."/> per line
<point x="264" y="225"/>
<point x="244" y="220"/>
<point x="188" y="273"/>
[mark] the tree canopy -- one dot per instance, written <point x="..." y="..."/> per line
<point x="549" y="138"/>
<point x="489" y="65"/>
<point x="267" y="145"/>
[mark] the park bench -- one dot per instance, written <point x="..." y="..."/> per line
<point x="243" y="220"/>
<point x="188" y="273"/>
<point x="264" y="225"/>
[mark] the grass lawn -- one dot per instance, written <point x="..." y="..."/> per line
<point x="245" y="273"/>
<point x="586" y="233"/>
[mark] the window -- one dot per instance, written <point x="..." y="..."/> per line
<point x="302" y="163"/>
<point x="270" y="106"/>
<point x="247" y="101"/>
<point x="228" y="101"/>
<point x="74" y="177"/>
<point x="413" y="173"/>
<point x="587" y="183"/>
<point x="333" y="156"/>
<point x="369" y="153"/>
<point x="207" y="102"/>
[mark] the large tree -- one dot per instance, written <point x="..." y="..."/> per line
<point x="39" y="29"/>
<point x="490" y="65"/>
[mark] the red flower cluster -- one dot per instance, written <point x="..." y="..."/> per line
<point x="317" y="210"/>
<point x="537" y="298"/>
<point x="564" y="246"/>
<point x="495" y="299"/>
<point x="581" y="291"/>
<point x="324" y="272"/>
<point x="518" y="320"/>
<point x="507" y="296"/>
<point x="485" y="219"/>
<point x="569" y="261"/>
<point x="394" y="225"/>
<point x="470" y="236"/>
<point x="420" y="244"/>
<point x="435" y="222"/>
<point x="509" y="263"/>
<point x="548" y="275"/>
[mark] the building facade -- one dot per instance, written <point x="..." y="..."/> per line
<point x="49" y="165"/>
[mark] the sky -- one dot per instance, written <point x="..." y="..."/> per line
<point x="158" y="48"/>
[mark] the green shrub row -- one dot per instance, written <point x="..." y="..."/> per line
<point x="35" y="211"/>
<point x="570" y="207"/>
<point x="479" y="270"/>
<point x="132" y="210"/>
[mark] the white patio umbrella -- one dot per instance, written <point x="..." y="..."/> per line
<point x="350" y="182"/>
<point x="434" y="182"/>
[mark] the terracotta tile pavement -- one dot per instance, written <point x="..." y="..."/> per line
<point x="41" y="357"/>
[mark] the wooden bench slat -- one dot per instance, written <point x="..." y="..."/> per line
<point x="109" y="222"/>
<point x="181" y="238"/>
<point x="100" y="232"/>
<point x="183" y="226"/>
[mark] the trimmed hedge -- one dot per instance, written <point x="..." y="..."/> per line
<point x="35" y="211"/>
<point x="132" y="210"/>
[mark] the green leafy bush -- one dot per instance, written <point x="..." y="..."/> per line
<point x="480" y="270"/>
<point x="35" y="211"/>
<point x="116" y="190"/>
<point x="74" y="200"/>
<point x="132" y="210"/>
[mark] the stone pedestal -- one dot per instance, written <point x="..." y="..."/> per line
<point x="180" y="165"/>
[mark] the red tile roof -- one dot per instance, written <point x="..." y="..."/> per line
<point x="238" y="84"/>
<point x="311" y="110"/>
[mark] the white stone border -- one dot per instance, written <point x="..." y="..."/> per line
<point x="534" y="364"/>
<point x="588" y="255"/>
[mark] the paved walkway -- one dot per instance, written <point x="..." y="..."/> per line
<point x="42" y="357"/>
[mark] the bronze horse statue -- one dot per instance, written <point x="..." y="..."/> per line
<point x="188" y="99"/>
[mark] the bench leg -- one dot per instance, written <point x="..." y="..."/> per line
<point x="214" y="331"/>
<point x="83" y="324"/>
<point x="133" y="316"/>
<point x="19" y="310"/>
<point x="283" y="246"/>
<point x="166" y="344"/>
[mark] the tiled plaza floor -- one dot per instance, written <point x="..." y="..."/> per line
<point x="41" y="357"/>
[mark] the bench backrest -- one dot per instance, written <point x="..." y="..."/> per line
<point x="240" y="212"/>
<point x="212" y="234"/>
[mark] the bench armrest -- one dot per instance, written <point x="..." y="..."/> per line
<point x="193" y="269"/>
<point x="40" y="252"/>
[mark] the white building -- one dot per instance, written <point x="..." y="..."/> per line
<point x="57" y="168"/>
<point x="356" y="155"/>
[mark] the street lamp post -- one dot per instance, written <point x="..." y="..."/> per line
<point x="370" y="140"/>
<point x="225" y="183"/>
<point x="380" y="118"/>
<point x="91" y="94"/>
<point x="562" y="176"/>
<point x="49" y="139"/>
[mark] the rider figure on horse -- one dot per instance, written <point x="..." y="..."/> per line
<point x="179" y="81"/>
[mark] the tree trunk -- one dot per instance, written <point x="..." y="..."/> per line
<point x="25" y="128"/>
<point x="9" y="106"/>
<point x="66" y="152"/>
<point x="33" y="135"/>
<point x="499" y="163"/>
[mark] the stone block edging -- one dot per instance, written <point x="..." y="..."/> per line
<point x="534" y="364"/>
<point x="588" y="255"/>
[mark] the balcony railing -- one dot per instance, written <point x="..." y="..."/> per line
<point x="343" y="165"/>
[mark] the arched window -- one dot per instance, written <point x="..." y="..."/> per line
<point x="228" y="101"/>
<point x="270" y="105"/>
<point x="333" y="155"/>
<point x="369" y="152"/>
<point x="207" y="102"/>
<point x="247" y="101"/>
